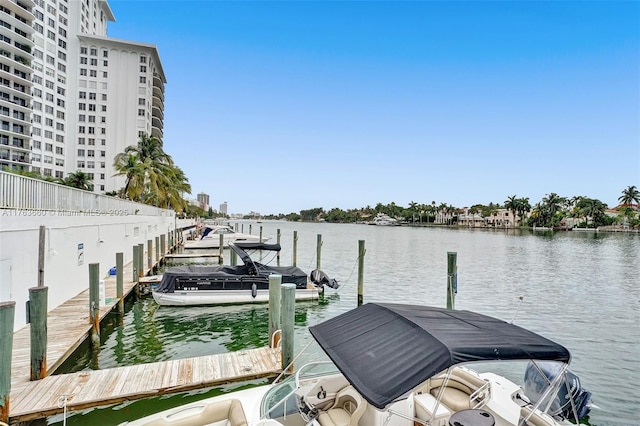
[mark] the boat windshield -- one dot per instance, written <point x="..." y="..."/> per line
<point x="282" y="399"/>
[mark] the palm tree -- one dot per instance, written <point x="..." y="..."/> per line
<point x="523" y="208"/>
<point x="79" y="180"/>
<point x="630" y="196"/>
<point x="129" y="166"/>
<point x="512" y="205"/>
<point x="591" y="208"/>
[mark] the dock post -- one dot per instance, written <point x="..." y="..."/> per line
<point x="119" y="282"/>
<point x="41" y="242"/>
<point x="135" y="263"/>
<point x="260" y="233"/>
<point x="452" y="279"/>
<point x="287" y="319"/>
<point x="94" y="303"/>
<point x="220" y="250"/>
<point x="361" y="252"/>
<point x="275" y="282"/>
<point x="278" y="241"/>
<point x="38" y="331"/>
<point x="149" y="251"/>
<point x="157" y="249"/>
<point x="295" y="248"/>
<point x="141" y="259"/>
<point x="233" y="258"/>
<point x="163" y="251"/>
<point x="7" y="314"/>
<point x="318" y="250"/>
<point x="250" y="226"/>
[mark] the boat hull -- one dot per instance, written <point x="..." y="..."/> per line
<point x="225" y="297"/>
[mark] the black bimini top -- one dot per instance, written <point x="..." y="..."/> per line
<point x="386" y="350"/>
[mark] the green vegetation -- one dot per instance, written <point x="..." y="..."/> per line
<point x="151" y="176"/>
<point x="552" y="211"/>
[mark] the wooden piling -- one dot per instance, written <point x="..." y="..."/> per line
<point x="149" y="251"/>
<point x="287" y="318"/>
<point x="38" y="331"/>
<point x="120" y="282"/>
<point x="163" y="249"/>
<point x="233" y="258"/>
<point x="157" y="249"/>
<point x="275" y="282"/>
<point x="41" y="245"/>
<point x="7" y="315"/>
<point x="452" y="279"/>
<point x="250" y="226"/>
<point x="141" y="259"/>
<point x="260" y="233"/>
<point x="361" y="252"/>
<point x="295" y="248"/>
<point x="318" y="250"/>
<point x="278" y="241"/>
<point x="94" y="302"/>
<point x="221" y="249"/>
<point x="136" y="267"/>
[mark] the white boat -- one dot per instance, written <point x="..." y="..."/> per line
<point x="382" y="219"/>
<point x="246" y="283"/>
<point x="210" y="238"/>
<point x="401" y="365"/>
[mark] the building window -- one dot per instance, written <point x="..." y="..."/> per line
<point x="81" y="153"/>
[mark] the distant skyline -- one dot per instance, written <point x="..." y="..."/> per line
<point x="277" y="107"/>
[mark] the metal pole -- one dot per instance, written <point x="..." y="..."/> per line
<point x="38" y="331"/>
<point x="41" y="256"/>
<point x="278" y="241"/>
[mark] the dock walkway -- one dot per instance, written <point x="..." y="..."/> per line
<point x="68" y="326"/>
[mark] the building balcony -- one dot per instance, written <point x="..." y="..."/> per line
<point x="157" y="113"/>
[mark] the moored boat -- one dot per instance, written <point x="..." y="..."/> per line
<point x="402" y="365"/>
<point x="210" y="238"/>
<point x="246" y="283"/>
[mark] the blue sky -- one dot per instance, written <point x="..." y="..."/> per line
<point x="277" y="107"/>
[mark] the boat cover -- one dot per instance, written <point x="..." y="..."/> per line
<point x="290" y="274"/>
<point x="386" y="350"/>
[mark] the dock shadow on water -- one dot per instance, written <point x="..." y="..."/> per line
<point x="149" y="333"/>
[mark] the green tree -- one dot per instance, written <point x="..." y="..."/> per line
<point x="630" y="196"/>
<point x="512" y="205"/>
<point x="78" y="179"/>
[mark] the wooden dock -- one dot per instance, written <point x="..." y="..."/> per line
<point x="192" y="255"/>
<point x="68" y="326"/>
<point x="110" y="386"/>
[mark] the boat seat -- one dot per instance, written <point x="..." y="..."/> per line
<point x="346" y="410"/>
<point x="536" y="419"/>
<point x="453" y="398"/>
<point x="222" y="413"/>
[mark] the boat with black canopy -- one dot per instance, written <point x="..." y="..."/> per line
<point x="407" y="365"/>
<point x="246" y="283"/>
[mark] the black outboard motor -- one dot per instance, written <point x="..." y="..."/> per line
<point x="319" y="278"/>
<point x="535" y="386"/>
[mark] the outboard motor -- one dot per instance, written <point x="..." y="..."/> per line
<point x="535" y="386"/>
<point x="319" y="278"/>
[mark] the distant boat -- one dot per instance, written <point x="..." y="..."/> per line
<point x="211" y="237"/>
<point x="382" y="219"/>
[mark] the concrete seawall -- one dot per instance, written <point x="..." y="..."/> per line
<point x="73" y="240"/>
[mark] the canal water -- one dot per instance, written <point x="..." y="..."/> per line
<point x="580" y="289"/>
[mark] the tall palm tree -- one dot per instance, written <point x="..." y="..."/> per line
<point x="523" y="208"/>
<point x="512" y="205"/>
<point x="129" y="166"/>
<point x="629" y="196"/>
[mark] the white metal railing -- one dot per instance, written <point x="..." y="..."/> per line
<point x="28" y="194"/>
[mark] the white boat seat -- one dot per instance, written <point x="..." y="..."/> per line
<point x="453" y="398"/>
<point x="222" y="413"/>
<point x="346" y="410"/>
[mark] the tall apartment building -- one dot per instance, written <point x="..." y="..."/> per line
<point x="203" y="199"/>
<point x="73" y="98"/>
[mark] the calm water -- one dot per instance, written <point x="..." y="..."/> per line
<point x="579" y="289"/>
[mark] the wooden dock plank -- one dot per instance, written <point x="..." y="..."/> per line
<point x="109" y="386"/>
